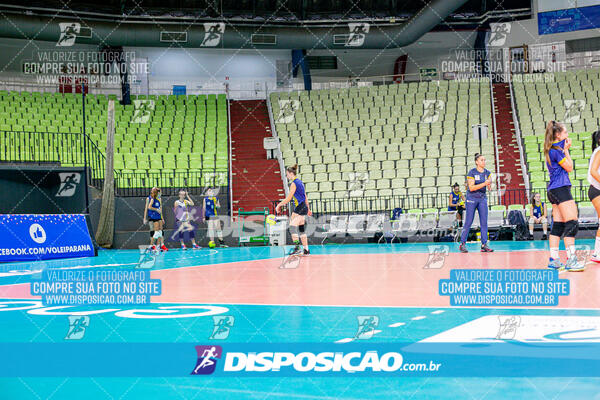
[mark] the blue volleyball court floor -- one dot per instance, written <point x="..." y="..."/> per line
<point x="319" y="300"/>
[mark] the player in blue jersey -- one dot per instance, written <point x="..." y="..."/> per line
<point x="564" y="210"/>
<point x="594" y="190"/>
<point x="301" y="210"/>
<point x="478" y="180"/>
<point x="457" y="202"/>
<point x="538" y="215"/>
<point x="153" y="216"/>
<point x="211" y="215"/>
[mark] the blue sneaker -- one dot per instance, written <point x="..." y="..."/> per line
<point x="556" y="264"/>
<point x="297" y="250"/>
<point x="574" y="265"/>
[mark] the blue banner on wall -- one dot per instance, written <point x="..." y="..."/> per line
<point x="27" y="237"/>
<point x="569" y="20"/>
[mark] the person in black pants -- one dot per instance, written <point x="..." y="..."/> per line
<point x="478" y="180"/>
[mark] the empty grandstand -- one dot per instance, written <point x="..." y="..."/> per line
<point x="371" y="143"/>
<point x="574" y="100"/>
<point x="167" y="141"/>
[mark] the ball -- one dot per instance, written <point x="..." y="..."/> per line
<point x="271" y="219"/>
<point x="212" y="244"/>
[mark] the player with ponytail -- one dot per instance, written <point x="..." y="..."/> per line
<point x="564" y="210"/>
<point x="301" y="209"/>
<point x="594" y="190"/>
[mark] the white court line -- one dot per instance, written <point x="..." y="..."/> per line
<point x="348" y="340"/>
<point x="418" y="317"/>
<point x="350" y="306"/>
<point x="214" y="251"/>
<point x="396" y="324"/>
<point x="410" y="307"/>
<point x="31" y="272"/>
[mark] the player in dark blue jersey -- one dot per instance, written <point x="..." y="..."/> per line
<point x="594" y="190"/>
<point x="301" y="210"/>
<point x="210" y="212"/>
<point x="478" y="180"/>
<point x="153" y="216"/>
<point x="564" y="210"/>
<point x="457" y="202"/>
<point x="538" y="215"/>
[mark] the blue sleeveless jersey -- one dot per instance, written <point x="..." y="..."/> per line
<point x="210" y="206"/>
<point x="538" y="210"/>
<point x="300" y="194"/>
<point x="455" y="200"/>
<point x="156" y="204"/>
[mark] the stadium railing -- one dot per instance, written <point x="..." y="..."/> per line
<point x="254" y="88"/>
<point x="422" y="203"/>
<point x="52" y="148"/>
<point x="131" y="183"/>
<point x="78" y="150"/>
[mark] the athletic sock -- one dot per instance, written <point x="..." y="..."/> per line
<point x="571" y="251"/>
<point x="554" y="253"/>
<point x="597" y="247"/>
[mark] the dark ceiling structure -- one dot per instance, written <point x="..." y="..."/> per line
<point x="279" y="11"/>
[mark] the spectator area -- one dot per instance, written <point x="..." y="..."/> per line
<point x="571" y="97"/>
<point x="395" y="140"/>
<point x="176" y="135"/>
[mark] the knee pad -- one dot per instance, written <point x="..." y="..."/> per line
<point x="557" y="229"/>
<point x="294" y="230"/>
<point x="302" y="228"/>
<point x="151" y="234"/>
<point x="157" y="235"/>
<point x="571" y="228"/>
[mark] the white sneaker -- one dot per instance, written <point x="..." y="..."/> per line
<point x="574" y="265"/>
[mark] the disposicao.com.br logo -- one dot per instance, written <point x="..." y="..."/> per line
<point x="322" y="362"/>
